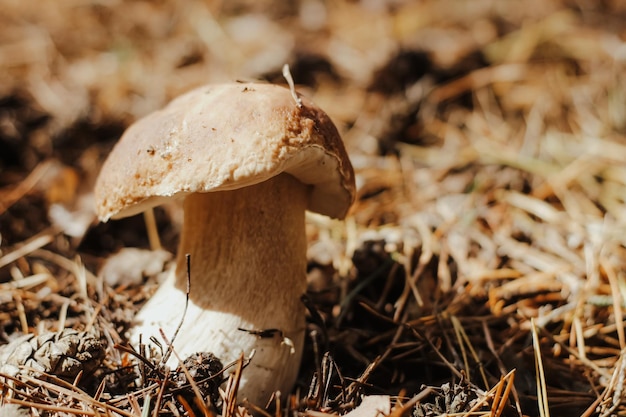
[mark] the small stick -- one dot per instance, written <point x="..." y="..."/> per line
<point x="152" y="229"/>
<point x="21" y="312"/>
<point x="139" y="355"/>
<point x="292" y="87"/>
<point x="182" y="319"/>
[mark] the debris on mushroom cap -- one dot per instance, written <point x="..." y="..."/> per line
<point x="225" y="137"/>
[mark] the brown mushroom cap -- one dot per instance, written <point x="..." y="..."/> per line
<point x="225" y="137"/>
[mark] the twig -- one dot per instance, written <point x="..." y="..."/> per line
<point x="25" y="186"/>
<point x="501" y="365"/>
<point x="464" y="341"/>
<point x="617" y="383"/>
<point x="182" y="319"/>
<point x="159" y="399"/>
<point x="292" y="87"/>
<point x="232" y="386"/>
<point x="152" y="229"/>
<point x="42" y="239"/>
<point x="542" y="394"/>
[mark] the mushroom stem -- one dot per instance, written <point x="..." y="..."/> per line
<point x="248" y="265"/>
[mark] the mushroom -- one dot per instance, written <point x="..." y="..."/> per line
<point x="248" y="160"/>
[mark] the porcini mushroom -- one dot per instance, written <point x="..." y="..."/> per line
<point x="248" y="160"/>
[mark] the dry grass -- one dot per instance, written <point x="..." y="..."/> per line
<point x="487" y="246"/>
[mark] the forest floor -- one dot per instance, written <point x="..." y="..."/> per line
<point x="481" y="270"/>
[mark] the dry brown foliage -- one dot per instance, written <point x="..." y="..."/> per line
<point x="482" y="270"/>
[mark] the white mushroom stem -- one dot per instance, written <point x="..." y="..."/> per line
<point x="248" y="265"/>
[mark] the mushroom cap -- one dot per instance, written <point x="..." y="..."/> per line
<point x="224" y="137"/>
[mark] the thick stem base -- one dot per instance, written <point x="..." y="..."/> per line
<point x="248" y="265"/>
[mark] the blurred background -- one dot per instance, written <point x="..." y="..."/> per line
<point x="487" y="137"/>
